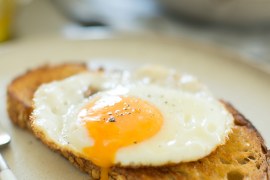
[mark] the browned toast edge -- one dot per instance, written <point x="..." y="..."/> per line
<point x="20" y="109"/>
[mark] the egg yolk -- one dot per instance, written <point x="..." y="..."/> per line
<point x="117" y="121"/>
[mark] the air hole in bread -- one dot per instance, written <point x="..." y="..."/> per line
<point x="235" y="175"/>
<point x="258" y="166"/>
<point x="243" y="160"/>
<point x="251" y="157"/>
<point x="246" y="149"/>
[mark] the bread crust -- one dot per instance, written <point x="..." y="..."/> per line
<point x="21" y="90"/>
<point x="244" y="155"/>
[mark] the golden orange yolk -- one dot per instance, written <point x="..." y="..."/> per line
<point x="117" y="121"/>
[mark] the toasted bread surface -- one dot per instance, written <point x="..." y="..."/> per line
<point x="21" y="90"/>
<point x="243" y="156"/>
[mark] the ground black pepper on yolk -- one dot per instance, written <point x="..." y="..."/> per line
<point x="114" y="122"/>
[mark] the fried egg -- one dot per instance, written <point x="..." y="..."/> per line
<point x="151" y="116"/>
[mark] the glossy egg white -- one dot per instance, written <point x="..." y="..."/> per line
<point x="195" y="123"/>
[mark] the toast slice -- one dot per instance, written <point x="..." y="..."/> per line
<point x="243" y="156"/>
<point x="22" y="88"/>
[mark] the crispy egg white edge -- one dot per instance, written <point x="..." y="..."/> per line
<point x="65" y="132"/>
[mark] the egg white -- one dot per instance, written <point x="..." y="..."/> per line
<point x="195" y="123"/>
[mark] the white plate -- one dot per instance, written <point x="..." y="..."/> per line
<point x="247" y="88"/>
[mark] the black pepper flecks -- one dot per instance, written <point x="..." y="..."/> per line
<point x="112" y="119"/>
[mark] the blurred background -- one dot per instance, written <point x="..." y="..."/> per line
<point x="238" y="26"/>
